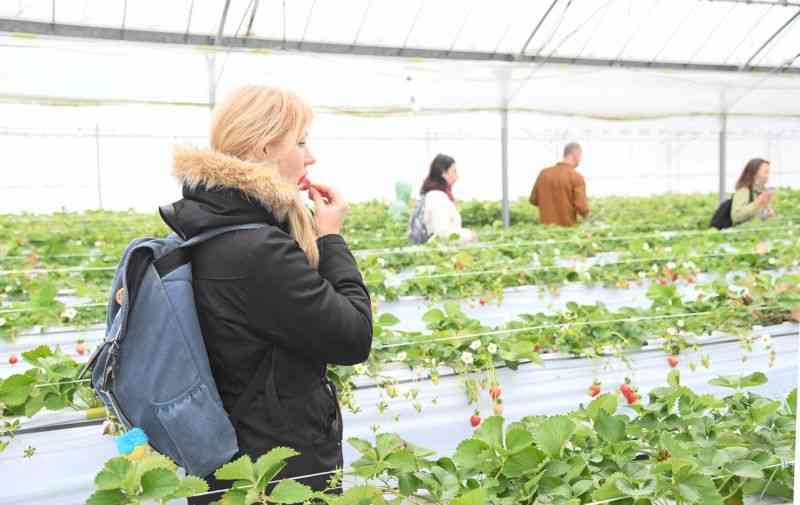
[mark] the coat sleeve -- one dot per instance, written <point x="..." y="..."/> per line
<point x="579" y="199"/>
<point x="324" y="314"/>
<point x="534" y="198"/>
<point x="742" y="209"/>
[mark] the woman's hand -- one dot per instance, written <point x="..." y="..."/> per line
<point x="764" y="198"/>
<point x="330" y="208"/>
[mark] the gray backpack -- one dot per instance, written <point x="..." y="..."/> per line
<point x="152" y="370"/>
<point x="417" y="231"/>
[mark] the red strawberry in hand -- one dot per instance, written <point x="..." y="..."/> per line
<point x="13" y="359"/>
<point x="304" y="184"/>
<point x="495" y="392"/>
<point x="594" y="389"/>
<point x="673" y="361"/>
<point x="475" y="420"/>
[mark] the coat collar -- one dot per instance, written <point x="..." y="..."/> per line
<point x="212" y="169"/>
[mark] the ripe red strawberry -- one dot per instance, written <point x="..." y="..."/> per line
<point x="495" y="392"/>
<point x="691" y="279"/>
<point x="594" y="389"/>
<point x="673" y="361"/>
<point x="497" y="408"/>
<point x="662" y="282"/>
<point x="633" y="398"/>
<point x="80" y="348"/>
<point x="482" y="301"/>
<point x="475" y="420"/>
<point x="626" y="389"/>
<point x="13" y="359"/>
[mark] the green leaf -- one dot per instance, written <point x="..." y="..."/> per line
<point x="385" y="443"/>
<point x="646" y="488"/>
<point x="746" y="469"/>
<point x="610" y="428"/>
<point x="234" y="497"/>
<point x="763" y="411"/>
<point x="387" y="319"/>
<point x="472" y="454"/>
<point x="518" y="439"/>
<point x="474" y="497"/>
<point x="240" y="469"/>
<point x="791" y="400"/>
<point x="609" y="489"/>
<point x="606" y="402"/>
<point x="452" y="308"/>
<point x="362" y="446"/>
<point x="34" y="405"/>
<point x="738" y="382"/>
<point x="290" y="491"/>
<point x="113" y="475"/>
<point x="699" y="489"/>
<point x="433" y="316"/>
<point x="491" y="432"/>
<point x="268" y="461"/>
<point x="159" y="483"/>
<point x="54" y="402"/>
<point x="15" y="390"/>
<point x="729" y="454"/>
<point x="35" y="355"/>
<point x="107" y="497"/>
<point x="522" y="462"/>
<point x="402" y="460"/>
<point x="553" y="434"/>
<point x="754" y="379"/>
<point x="582" y="487"/>
<point x="190" y="486"/>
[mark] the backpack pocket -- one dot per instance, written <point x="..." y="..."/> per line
<point x="187" y="421"/>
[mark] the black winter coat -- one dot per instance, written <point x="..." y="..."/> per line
<point x="267" y="317"/>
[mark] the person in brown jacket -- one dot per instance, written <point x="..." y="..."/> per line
<point x="560" y="191"/>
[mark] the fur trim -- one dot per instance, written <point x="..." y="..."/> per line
<point x="212" y="169"/>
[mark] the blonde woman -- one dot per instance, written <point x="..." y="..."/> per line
<point x="276" y="304"/>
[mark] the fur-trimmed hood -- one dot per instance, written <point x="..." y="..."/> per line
<point x="209" y="169"/>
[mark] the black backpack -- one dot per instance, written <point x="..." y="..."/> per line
<point x="722" y="216"/>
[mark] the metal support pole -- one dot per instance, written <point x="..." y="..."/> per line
<point x="97" y="160"/>
<point x="211" y="62"/>
<point x="723" y="153"/>
<point x="504" y="142"/>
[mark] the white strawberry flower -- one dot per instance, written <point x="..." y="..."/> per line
<point x="360" y="369"/>
<point x="475" y="345"/>
<point x="646" y="246"/>
<point x="642" y="275"/>
<point x="772" y="261"/>
<point x="681" y="323"/>
<point x="655" y="268"/>
<point x="401" y="356"/>
<point x="672" y="331"/>
<point x="69" y="314"/>
<point x="381" y="262"/>
<point x="467" y="358"/>
<point x="671" y="265"/>
<point x="491" y="348"/>
<point x="557" y="252"/>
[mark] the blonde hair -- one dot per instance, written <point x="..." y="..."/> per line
<point x="253" y="118"/>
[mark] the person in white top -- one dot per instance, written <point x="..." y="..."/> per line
<point x="441" y="216"/>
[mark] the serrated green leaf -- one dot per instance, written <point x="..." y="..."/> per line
<point x="553" y="434"/>
<point x="491" y="432"/>
<point x="290" y="491"/>
<point x="158" y="483"/>
<point x="385" y="443"/>
<point x="433" y="316"/>
<point x="34" y="405"/>
<point x="640" y="490"/>
<point x="240" y="469"/>
<point x="402" y="460"/>
<point x="472" y="454"/>
<point x="54" y="402"/>
<point x="474" y="497"/>
<point x="113" y="474"/>
<point x="698" y="489"/>
<point x="791" y="401"/>
<point x="582" y="487"/>
<point x="362" y="446"/>
<point x="107" y="497"/>
<point x="522" y="462"/>
<point x="763" y="411"/>
<point x="518" y="439"/>
<point x="606" y="402"/>
<point x="35" y="355"/>
<point x="234" y="497"/>
<point x="746" y="469"/>
<point x="609" y="489"/>
<point x="268" y="461"/>
<point x="387" y="319"/>
<point x="15" y="390"/>
<point x="190" y="486"/>
<point x="610" y="428"/>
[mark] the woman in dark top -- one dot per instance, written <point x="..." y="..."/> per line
<point x="276" y="304"/>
